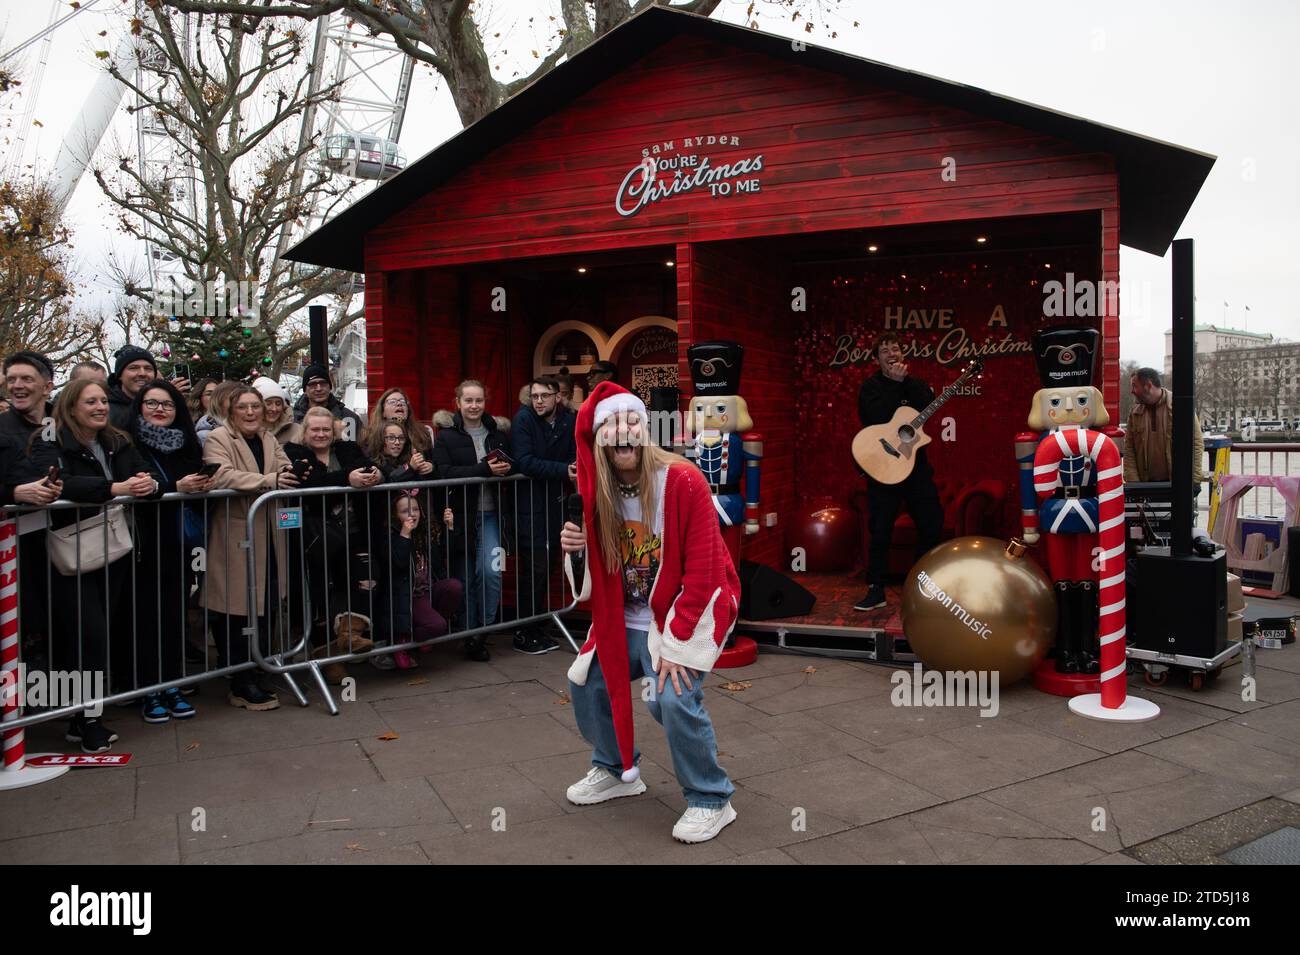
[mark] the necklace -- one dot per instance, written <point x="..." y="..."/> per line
<point x="628" y="490"/>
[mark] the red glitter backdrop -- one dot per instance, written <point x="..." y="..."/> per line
<point x="987" y="305"/>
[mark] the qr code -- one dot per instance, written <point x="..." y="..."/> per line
<point x="645" y="377"/>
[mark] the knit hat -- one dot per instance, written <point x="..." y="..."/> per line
<point x="607" y="626"/>
<point x="128" y="354"/>
<point x="268" y="388"/>
<point x="313" y="372"/>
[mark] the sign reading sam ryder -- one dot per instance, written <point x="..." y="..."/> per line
<point x="644" y="183"/>
<point x="954" y="344"/>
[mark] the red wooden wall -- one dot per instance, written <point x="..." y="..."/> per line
<point x="836" y="154"/>
<point x="729" y="292"/>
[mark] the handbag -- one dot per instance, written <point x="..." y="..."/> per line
<point x="87" y="545"/>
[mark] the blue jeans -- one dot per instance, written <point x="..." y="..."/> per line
<point x="483" y="583"/>
<point x="685" y="721"/>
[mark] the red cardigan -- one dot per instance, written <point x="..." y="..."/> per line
<point x="696" y="595"/>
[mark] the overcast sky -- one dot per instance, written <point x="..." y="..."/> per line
<point x="1206" y="75"/>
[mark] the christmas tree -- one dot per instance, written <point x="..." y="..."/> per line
<point x="219" y="347"/>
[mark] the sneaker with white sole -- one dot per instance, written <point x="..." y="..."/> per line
<point x="699" y="824"/>
<point x="600" y="785"/>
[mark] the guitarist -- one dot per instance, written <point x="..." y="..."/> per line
<point x="881" y="395"/>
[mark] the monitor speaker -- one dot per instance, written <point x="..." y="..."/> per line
<point x="767" y="594"/>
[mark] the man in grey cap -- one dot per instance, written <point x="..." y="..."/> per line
<point x="316" y="385"/>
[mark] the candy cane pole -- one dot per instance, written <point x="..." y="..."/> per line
<point x="16" y="772"/>
<point x="1113" y="702"/>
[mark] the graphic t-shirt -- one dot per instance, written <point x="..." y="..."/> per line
<point x="641" y="548"/>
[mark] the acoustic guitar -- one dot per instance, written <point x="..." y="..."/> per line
<point x="887" y="451"/>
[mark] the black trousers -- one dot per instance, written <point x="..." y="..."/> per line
<point x="883" y="501"/>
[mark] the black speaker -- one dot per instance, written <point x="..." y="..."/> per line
<point x="1293" y="559"/>
<point x="767" y="594"/>
<point x="1178" y="604"/>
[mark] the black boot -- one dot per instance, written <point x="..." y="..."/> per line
<point x="476" y="649"/>
<point x="1085" y="602"/>
<point x="1067" y="650"/>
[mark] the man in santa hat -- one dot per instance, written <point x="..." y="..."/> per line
<point x="664" y="595"/>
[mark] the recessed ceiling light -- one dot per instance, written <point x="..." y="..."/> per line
<point x="873" y="248"/>
<point x="581" y="269"/>
<point x="669" y="263"/>
<point x="981" y="239"/>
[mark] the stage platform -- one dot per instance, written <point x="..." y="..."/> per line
<point x="834" y="628"/>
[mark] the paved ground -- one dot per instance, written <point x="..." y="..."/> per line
<point x="826" y="769"/>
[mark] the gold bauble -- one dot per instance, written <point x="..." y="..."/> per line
<point x="978" y="603"/>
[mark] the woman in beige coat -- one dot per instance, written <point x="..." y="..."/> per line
<point x="251" y="460"/>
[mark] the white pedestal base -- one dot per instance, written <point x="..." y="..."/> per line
<point x="30" y="775"/>
<point x="1133" y="710"/>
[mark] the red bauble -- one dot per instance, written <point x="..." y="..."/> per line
<point x="829" y="534"/>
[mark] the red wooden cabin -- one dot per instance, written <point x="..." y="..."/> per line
<point x="803" y="201"/>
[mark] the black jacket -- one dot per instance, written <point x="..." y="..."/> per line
<point x="880" y="397"/>
<point x="543" y="452"/>
<point x="454" y="456"/>
<point x="83" y="479"/>
<point x="12" y="452"/>
<point x="16" y="426"/>
<point x="119" y="408"/>
<point x="338" y="409"/>
<point x="350" y="457"/>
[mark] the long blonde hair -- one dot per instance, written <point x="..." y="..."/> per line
<point x="609" y="515"/>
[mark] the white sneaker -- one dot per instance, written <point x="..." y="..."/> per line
<point x="700" y="825"/>
<point x="599" y="786"/>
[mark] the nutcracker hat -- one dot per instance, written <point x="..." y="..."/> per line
<point x="1066" y="357"/>
<point x="715" y="367"/>
<point x="607" y="627"/>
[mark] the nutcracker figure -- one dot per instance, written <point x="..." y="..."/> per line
<point x="719" y="439"/>
<point x="1072" y="493"/>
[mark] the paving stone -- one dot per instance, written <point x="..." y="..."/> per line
<point x="1281" y="719"/>
<point x="78" y="799"/>
<point x="1176" y="716"/>
<point x="146" y="841"/>
<point x="1235" y="752"/>
<point x="449" y="748"/>
<point x="973" y="759"/>
<point x="265" y="774"/>
<point x="833" y="682"/>
<point x="567" y="839"/>
<point x="842" y="787"/>
<point x="334" y="847"/>
<point x="475" y="795"/>
<point x="764" y="857"/>
<point x="241" y="823"/>
<point x="977" y="831"/>
<point x="1141" y="796"/>
<point x="380" y="805"/>
<point x="225" y="730"/>
<point x="763" y="822"/>
<point x="431" y="710"/>
<point x="879" y="722"/>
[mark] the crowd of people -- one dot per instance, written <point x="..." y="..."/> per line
<point x="369" y="562"/>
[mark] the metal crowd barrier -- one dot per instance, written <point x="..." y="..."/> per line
<point x="145" y="618"/>
<point x="339" y="546"/>
<point x="154" y="632"/>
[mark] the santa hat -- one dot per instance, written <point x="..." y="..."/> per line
<point x="608" y="629"/>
